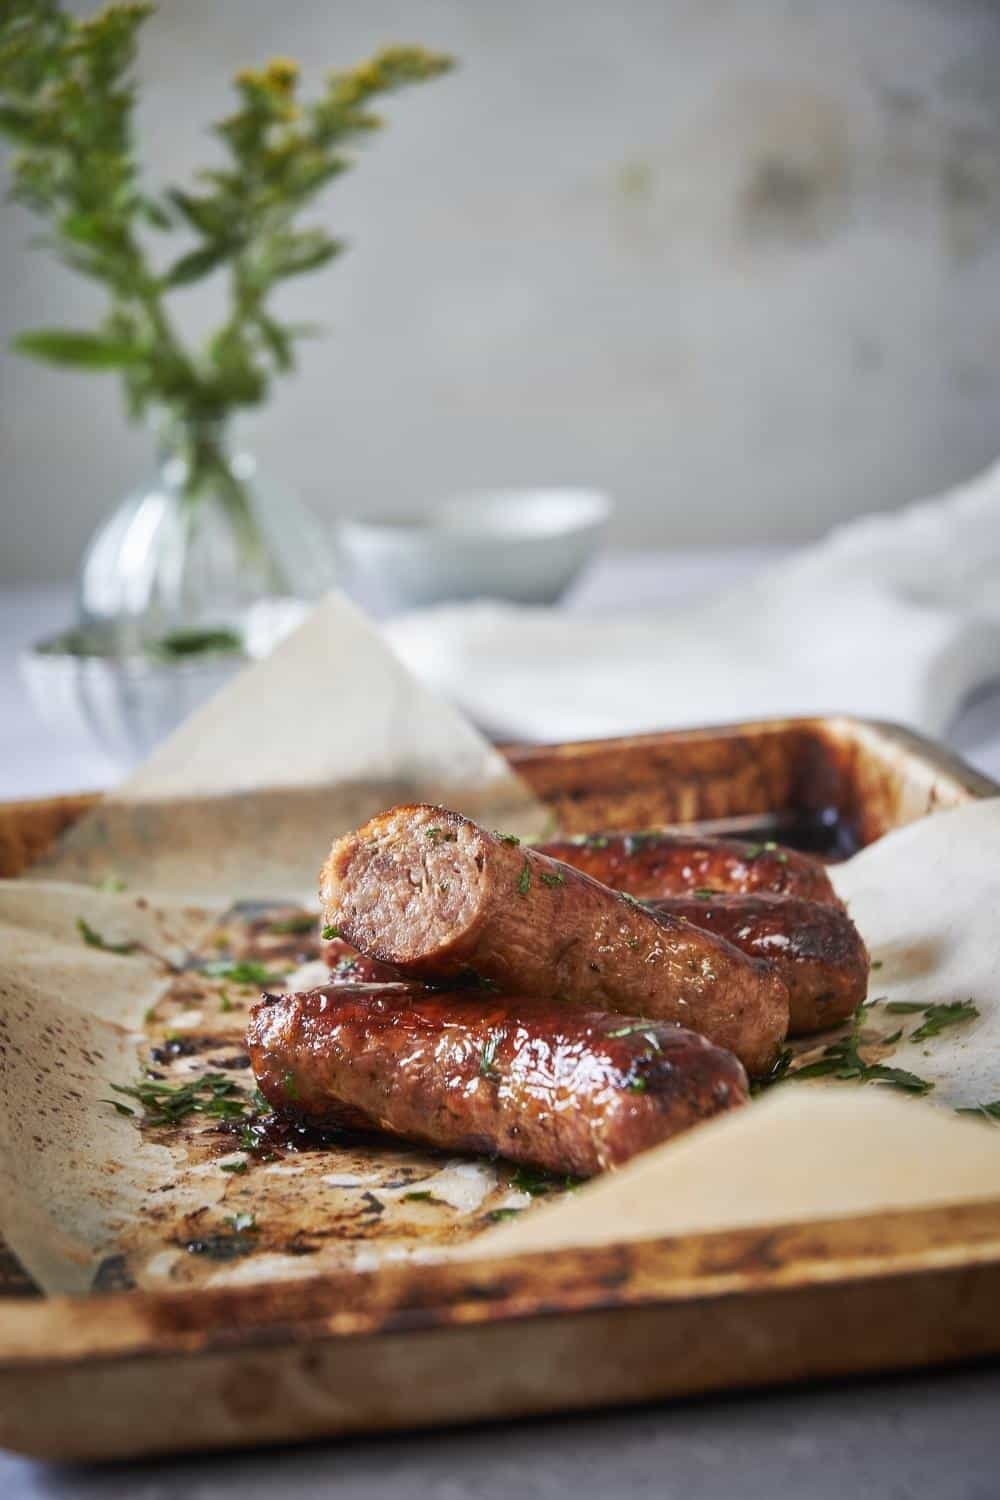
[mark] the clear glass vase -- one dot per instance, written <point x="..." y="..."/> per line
<point x="208" y="557"/>
<point x="203" y="569"/>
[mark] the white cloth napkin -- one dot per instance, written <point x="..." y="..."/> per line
<point x="895" y="616"/>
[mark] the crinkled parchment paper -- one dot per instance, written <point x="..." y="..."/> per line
<point x="240" y="807"/>
<point x="242" y="802"/>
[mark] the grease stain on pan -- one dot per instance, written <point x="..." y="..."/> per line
<point x="292" y="1203"/>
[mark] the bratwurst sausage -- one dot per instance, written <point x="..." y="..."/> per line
<point x="440" y="899"/>
<point x="653" y="865"/>
<point x="816" y="949"/>
<point x="539" y="1083"/>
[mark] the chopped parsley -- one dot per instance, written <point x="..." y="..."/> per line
<point x="111" y="884"/>
<point x="94" y="940"/>
<point x="117" y="1106"/>
<point x="548" y="879"/>
<point x="636" y="1086"/>
<point x="843" y="1061"/>
<point x="781" y="1066"/>
<point x="508" y="838"/>
<point x="633" y="842"/>
<point x="537" y="1183"/>
<point x="168" y="1104"/>
<point x="440" y="835"/>
<point x="488" y="1055"/>
<point x="524" y="882"/>
<point x="421" y="1197"/>
<point x="245" y="972"/>
<point x="235" y="1167"/>
<point x="989" y="1111"/>
<point x="225" y="1004"/>
<point x="593" y="841"/>
<point x="499" y="1214"/>
<point x="221" y="1246"/>
<point x="290" y="1087"/>
<point x="329" y="933"/>
<point x="703" y="893"/>
<point x="938" y="1017"/>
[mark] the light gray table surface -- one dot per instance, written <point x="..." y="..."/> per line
<point x="935" y="1435"/>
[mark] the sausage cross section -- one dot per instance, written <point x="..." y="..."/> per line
<point x="538" y="1083"/>
<point x="653" y="865"/>
<point x="442" y="900"/>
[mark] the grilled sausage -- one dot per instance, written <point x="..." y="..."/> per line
<point x="559" y="1088"/>
<point x="653" y="865"/>
<point x="348" y="966"/>
<point x="429" y="892"/>
<point x="816" y="949"/>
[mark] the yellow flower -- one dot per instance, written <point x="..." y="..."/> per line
<point x="282" y="73"/>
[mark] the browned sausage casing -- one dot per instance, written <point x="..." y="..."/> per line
<point x="543" y="1084"/>
<point x="653" y="865"/>
<point x="429" y="892"/>
<point x="816" y="949"/>
<point x="348" y="966"/>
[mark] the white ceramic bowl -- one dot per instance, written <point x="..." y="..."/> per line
<point x="522" y="545"/>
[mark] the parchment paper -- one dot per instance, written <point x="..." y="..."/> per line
<point x="244" y="799"/>
<point x="243" y="802"/>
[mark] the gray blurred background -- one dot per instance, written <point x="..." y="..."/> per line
<point x="734" y="260"/>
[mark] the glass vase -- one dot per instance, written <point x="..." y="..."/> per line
<point x="206" y="567"/>
<point x="208" y="557"/>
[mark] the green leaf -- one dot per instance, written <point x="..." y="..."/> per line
<point x="277" y="341"/>
<point x="197" y="263"/>
<point x="19" y="124"/>
<point x="248" y="972"/>
<point x="299" y="253"/>
<point x="195" y="643"/>
<point x="83" y="351"/>
<point x="95" y="940"/>
<point x="154" y="213"/>
<point x="207" y="215"/>
<point x="937" y="1017"/>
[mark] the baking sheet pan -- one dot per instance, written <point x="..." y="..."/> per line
<point x="401" y="1346"/>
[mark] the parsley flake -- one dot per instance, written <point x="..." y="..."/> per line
<point x="245" y="972"/>
<point x="168" y="1104"/>
<point x="842" y="1060"/>
<point x="488" y="1055"/>
<point x="938" y="1017"/>
<point x="94" y="940"/>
